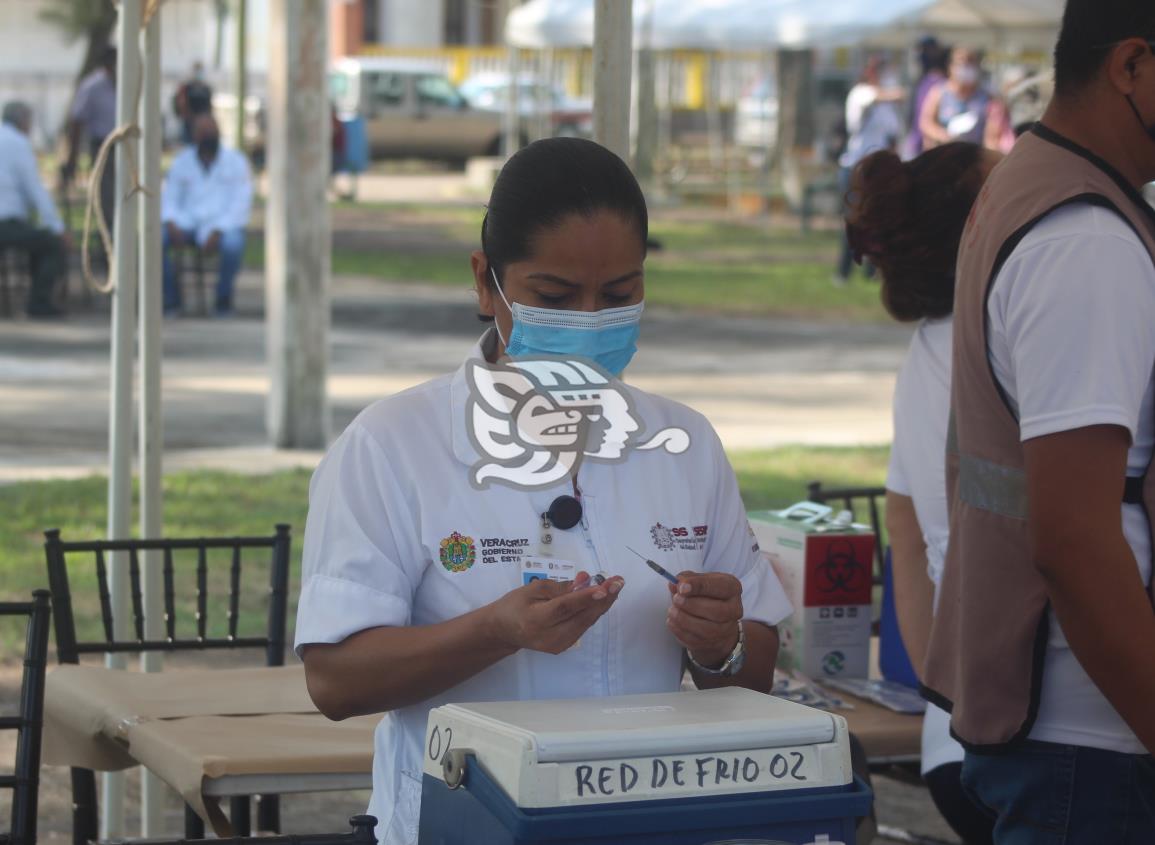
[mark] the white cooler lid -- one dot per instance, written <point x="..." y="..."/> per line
<point x="729" y="719"/>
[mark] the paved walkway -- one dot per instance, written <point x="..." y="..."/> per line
<point x="762" y="383"/>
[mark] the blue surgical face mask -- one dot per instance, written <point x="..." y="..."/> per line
<point x="609" y="337"/>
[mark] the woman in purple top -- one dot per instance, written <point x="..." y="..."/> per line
<point x="934" y="59"/>
<point x="959" y="109"/>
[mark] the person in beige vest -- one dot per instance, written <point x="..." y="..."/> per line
<point x="1043" y="643"/>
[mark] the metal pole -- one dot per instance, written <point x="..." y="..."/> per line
<point x="511" y="131"/>
<point x="242" y="80"/>
<point x="120" y="403"/>
<point x="544" y="93"/>
<point x="646" y="140"/>
<point x="613" y="49"/>
<point x="151" y="352"/>
<point x="297" y="225"/>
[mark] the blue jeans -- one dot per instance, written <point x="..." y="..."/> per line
<point x="232" y="253"/>
<point x="1046" y="794"/>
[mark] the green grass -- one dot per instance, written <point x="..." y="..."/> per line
<point x="794" y="289"/>
<point x="715" y="265"/>
<point x="196" y="504"/>
<point x="441" y="268"/>
<point x="776" y="478"/>
<point x="225" y="504"/>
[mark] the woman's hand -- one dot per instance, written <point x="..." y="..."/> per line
<point x="705" y="609"/>
<point x="551" y="616"/>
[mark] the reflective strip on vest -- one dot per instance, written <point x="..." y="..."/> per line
<point x="992" y="487"/>
<point x="986" y="485"/>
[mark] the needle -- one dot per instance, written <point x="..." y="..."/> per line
<point x="673" y="579"/>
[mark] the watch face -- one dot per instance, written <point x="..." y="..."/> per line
<point x="738" y="657"/>
<point x="737" y="663"/>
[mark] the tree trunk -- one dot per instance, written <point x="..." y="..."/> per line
<point x="297" y="244"/>
<point x="795" y="119"/>
<point x="98" y="36"/>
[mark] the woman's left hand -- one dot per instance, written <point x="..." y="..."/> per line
<point x="705" y="609"/>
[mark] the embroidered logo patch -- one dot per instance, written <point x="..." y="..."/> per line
<point x="663" y="537"/>
<point x="458" y="552"/>
<point x="690" y="538"/>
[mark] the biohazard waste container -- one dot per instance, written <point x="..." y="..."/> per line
<point x="826" y="566"/>
<point x="686" y="768"/>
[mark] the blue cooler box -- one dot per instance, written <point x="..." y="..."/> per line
<point x="687" y="768"/>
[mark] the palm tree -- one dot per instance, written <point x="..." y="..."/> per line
<point x="93" y="20"/>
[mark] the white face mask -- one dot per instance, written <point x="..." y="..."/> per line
<point x="966" y="75"/>
<point x="608" y="337"/>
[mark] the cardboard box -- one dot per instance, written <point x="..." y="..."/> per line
<point x="826" y="568"/>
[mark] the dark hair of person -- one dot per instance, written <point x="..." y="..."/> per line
<point x="1090" y="29"/>
<point x="548" y="181"/>
<point x="907" y="218"/>
<point x="108" y="57"/>
<point x="934" y="56"/>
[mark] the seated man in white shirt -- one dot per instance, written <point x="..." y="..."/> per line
<point x="206" y="201"/>
<point x="28" y="219"/>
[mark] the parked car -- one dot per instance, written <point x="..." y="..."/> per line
<point x="412" y="110"/>
<point x="568" y="116"/>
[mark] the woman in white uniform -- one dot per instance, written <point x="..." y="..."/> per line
<point x="421" y="585"/>
<point x="908" y="221"/>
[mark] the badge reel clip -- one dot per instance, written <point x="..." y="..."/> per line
<point x="564" y="512"/>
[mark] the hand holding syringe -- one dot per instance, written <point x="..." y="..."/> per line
<point x="705" y="611"/>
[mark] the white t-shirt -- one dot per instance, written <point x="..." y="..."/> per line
<point x="918" y="470"/>
<point x="1072" y="342"/>
<point x="872" y="125"/>
<point x="395" y="488"/>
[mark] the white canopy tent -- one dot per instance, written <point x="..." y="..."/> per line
<point x="545" y="24"/>
<point x="1021" y="23"/>
<point x="768" y="24"/>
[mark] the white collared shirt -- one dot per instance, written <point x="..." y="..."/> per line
<point x="21" y="191"/>
<point x="396" y="485"/>
<point x="200" y="199"/>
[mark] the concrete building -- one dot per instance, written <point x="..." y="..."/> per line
<point x="355" y="24"/>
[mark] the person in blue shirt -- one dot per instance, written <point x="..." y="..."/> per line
<point x="28" y="219"/>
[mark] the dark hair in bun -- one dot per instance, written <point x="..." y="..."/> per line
<point x="908" y="219"/>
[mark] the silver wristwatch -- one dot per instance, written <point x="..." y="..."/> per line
<point x="732" y="665"/>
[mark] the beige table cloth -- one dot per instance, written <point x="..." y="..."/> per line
<point x="190" y="727"/>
